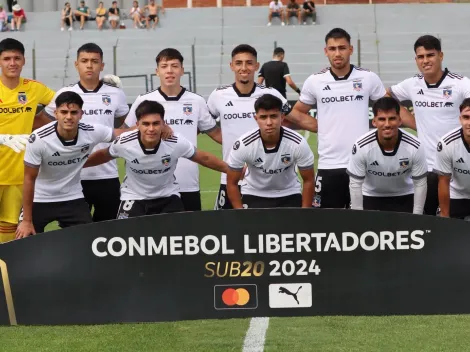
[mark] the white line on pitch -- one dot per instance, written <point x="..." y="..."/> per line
<point x="256" y="335"/>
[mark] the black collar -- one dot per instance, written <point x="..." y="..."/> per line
<point x="436" y="85"/>
<point x="241" y="94"/>
<point x="63" y="141"/>
<point x="342" y="78"/>
<point x="394" y="151"/>
<point x="146" y="151"/>
<point x="464" y="141"/>
<point x="98" y="87"/>
<point x="167" y="98"/>
<point x="276" y="148"/>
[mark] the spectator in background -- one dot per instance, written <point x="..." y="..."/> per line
<point x="153" y="10"/>
<point x="10" y="4"/>
<point x="82" y="13"/>
<point x="3" y="19"/>
<point x="309" y="11"/>
<point x="100" y="15"/>
<point x="293" y="10"/>
<point x="113" y="15"/>
<point x="276" y="73"/>
<point x="136" y="14"/>
<point x="276" y="10"/>
<point x="66" y="18"/>
<point x="19" y="17"/>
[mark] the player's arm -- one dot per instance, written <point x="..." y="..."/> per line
<point x="260" y="79"/>
<point x="41" y="119"/>
<point x="400" y="92"/>
<point x="99" y="157"/>
<point x="357" y="173"/>
<point x="233" y="191"/>
<point x="26" y="227"/>
<point x="444" y="195"/>
<point x="291" y="83"/>
<point x="419" y="172"/>
<point x="206" y="123"/>
<point x="208" y="160"/>
<point x="443" y="168"/>
<point x="308" y="188"/>
<point x="215" y="134"/>
<point x="300" y="116"/>
<point x="47" y="97"/>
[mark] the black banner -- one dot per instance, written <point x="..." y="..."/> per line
<point x="227" y="264"/>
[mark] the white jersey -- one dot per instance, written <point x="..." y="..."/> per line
<point x="436" y="106"/>
<point x="343" y="111"/>
<point x="236" y="112"/>
<point x="271" y="172"/>
<point x="100" y="106"/>
<point x="185" y="114"/>
<point x="276" y="7"/>
<point x="387" y="173"/>
<point x="150" y="173"/>
<point x="453" y="159"/>
<point x="60" y="161"/>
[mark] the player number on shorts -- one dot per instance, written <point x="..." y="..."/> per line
<point x="221" y="198"/>
<point x="318" y="184"/>
<point x="128" y="205"/>
<point x="289" y="268"/>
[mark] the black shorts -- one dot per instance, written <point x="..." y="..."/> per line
<point x="292" y="201"/>
<point x="293" y="13"/>
<point x="276" y="14"/>
<point x="400" y="204"/>
<point x="431" y="205"/>
<point x="104" y="196"/>
<point x="67" y="213"/>
<point x="191" y="201"/>
<point x="222" y="201"/>
<point x="152" y="17"/>
<point x="459" y="208"/>
<point x="67" y="21"/>
<point x="77" y="17"/>
<point x="332" y="189"/>
<point x="133" y="208"/>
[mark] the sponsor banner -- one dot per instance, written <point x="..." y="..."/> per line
<point x="237" y="263"/>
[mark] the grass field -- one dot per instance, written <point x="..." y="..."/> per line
<point x="400" y="333"/>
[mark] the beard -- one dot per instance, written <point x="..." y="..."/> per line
<point x="244" y="82"/>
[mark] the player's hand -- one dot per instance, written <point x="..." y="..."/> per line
<point x="25" y="229"/>
<point x="167" y="132"/>
<point x="113" y="80"/>
<point x="17" y="142"/>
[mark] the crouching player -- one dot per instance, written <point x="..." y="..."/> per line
<point x="149" y="186"/>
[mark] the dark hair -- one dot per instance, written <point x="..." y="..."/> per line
<point x="338" y="33"/>
<point x="67" y="98"/>
<point x="268" y="102"/>
<point x="169" y="54"/>
<point x="90" y="48"/>
<point x="429" y="42"/>
<point x="114" y="2"/>
<point x="465" y="104"/>
<point x="10" y="44"/>
<point x="386" y="104"/>
<point x="278" y="51"/>
<point x="244" y="48"/>
<point x="148" y="107"/>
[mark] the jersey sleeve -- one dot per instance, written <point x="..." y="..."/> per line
<point x="377" y="87"/>
<point x="443" y="161"/>
<point x="45" y="94"/>
<point x="205" y="121"/>
<point x="115" y="149"/>
<point x="465" y="87"/>
<point x="261" y="72"/>
<point x="212" y="105"/>
<point x="131" y="119"/>
<point x="286" y="71"/>
<point x="305" y="158"/>
<point x="50" y="107"/>
<point x="357" y="166"/>
<point x="307" y="94"/>
<point x="33" y="153"/>
<point x="122" y="108"/>
<point x="286" y="108"/>
<point x="237" y="156"/>
<point x="185" y="148"/>
<point x="103" y="134"/>
<point x="401" y="91"/>
<point x="419" y="169"/>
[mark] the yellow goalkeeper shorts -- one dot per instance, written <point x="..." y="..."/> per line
<point x="11" y="201"/>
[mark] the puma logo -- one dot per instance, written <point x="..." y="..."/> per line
<point x="287" y="292"/>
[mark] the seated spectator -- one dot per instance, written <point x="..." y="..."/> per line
<point x="19" y="17"/>
<point x="113" y="15"/>
<point x="100" y="15"/>
<point x="82" y="13"/>
<point x="293" y="10"/>
<point x="136" y="14"/>
<point x="276" y="10"/>
<point x="3" y="19"/>
<point x="66" y="18"/>
<point x="153" y="10"/>
<point x="309" y="11"/>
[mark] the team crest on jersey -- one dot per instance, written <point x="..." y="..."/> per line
<point x="106" y="99"/>
<point x="404" y="163"/>
<point x="22" y="99"/>
<point x="447" y="93"/>
<point x="357" y="85"/>
<point x="285" y="158"/>
<point x="187" y="109"/>
<point x="32" y="138"/>
<point x="166" y="159"/>
<point x="85" y="148"/>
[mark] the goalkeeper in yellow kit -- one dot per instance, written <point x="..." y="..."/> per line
<point x="19" y="98"/>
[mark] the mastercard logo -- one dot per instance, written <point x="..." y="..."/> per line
<point x="235" y="296"/>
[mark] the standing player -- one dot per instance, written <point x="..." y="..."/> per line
<point x="342" y="94"/>
<point x="19" y="98"/>
<point x="54" y="157"/>
<point x="271" y="153"/>
<point x="149" y="186"/>
<point x="186" y="113"/>
<point x="388" y="167"/>
<point x="234" y="105"/>
<point x="436" y="95"/>
<point x="103" y="104"/>
<point x="453" y="167"/>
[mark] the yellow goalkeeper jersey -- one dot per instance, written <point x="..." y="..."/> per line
<point x="17" y="110"/>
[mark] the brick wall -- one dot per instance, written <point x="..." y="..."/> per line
<point x="213" y="3"/>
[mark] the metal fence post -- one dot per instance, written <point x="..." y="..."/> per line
<point x="275" y="44"/>
<point x="34" y="60"/>
<point x="193" y="53"/>
<point x="359" y="51"/>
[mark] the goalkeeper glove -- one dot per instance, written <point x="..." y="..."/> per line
<point x="113" y="80"/>
<point x="17" y="142"/>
